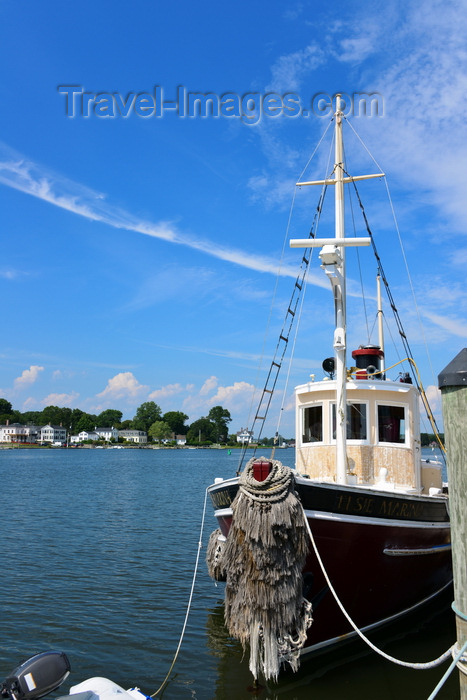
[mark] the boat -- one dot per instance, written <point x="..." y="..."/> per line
<point x="375" y="513"/>
<point x="46" y="671"/>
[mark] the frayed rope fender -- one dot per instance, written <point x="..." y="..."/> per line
<point x="263" y="560"/>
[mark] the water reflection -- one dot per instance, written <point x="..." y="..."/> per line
<point x="352" y="673"/>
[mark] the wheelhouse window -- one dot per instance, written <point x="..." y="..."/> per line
<point x="356" y="421"/>
<point x="391" y="424"/>
<point x="313" y="424"/>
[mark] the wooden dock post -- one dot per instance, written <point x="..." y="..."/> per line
<point x="453" y="384"/>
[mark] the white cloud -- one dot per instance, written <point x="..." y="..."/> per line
<point x="60" y="399"/>
<point x="169" y="390"/>
<point x="235" y="397"/>
<point x="433" y="395"/>
<point x="123" y="385"/>
<point x="208" y="386"/>
<point x="425" y="133"/>
<point x="356" y="49"/>
<point x="28" y="376"/>
<point x="29" y="403"/>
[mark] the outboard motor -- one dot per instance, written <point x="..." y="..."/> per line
<point x="36" y="677"/>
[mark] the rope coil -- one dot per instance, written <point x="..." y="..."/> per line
<point x="263" y="559"/>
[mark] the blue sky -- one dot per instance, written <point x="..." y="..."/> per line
<point x="139" y="253"/>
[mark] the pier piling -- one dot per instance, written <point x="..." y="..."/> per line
<point x="453" y="384"/>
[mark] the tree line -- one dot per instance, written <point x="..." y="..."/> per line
<point x="427" y="439"/>
<point x="209" y="429"/>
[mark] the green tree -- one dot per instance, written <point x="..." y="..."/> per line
<point x="86" y="422"/>
<point x="5" y="407"/>
<point x="220" y="417"/>
<point x="146" y="414"/>
<point x="76" y="415"/>
<point x="65" y="417"/>
<point x="50" y="415"/>
<point x="426" y="439"/>
<point x="32" y="418"/>
<point x="202" y="430"/>
<point x="176" y="420"/>
<point x="109" y="418"/>
<point x="160" y="430"/>
<point x="7" y="413"/>
<point x="54" y="415"/>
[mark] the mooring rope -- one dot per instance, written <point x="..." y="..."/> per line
<point x="417" y="666"/>
<point x="458" y="655"/>
<point x="200" y="544"/>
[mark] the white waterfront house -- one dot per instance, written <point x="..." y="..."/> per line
<point x="140" y="437"/>
<point x="107" y="434"/>
<point x="245" y="436"/>
<point x="16" y="432"/>
<point x="52" y="433"/>
<point x="85" y="435"/>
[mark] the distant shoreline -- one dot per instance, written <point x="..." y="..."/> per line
<point x="22" y="446"/>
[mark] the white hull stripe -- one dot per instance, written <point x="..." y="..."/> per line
<point x="359" y="519"/>
<point x="417" y="551"/>
<point x="385" y="522"/>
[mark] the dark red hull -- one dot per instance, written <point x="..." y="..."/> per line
<point x="384" y="553"/>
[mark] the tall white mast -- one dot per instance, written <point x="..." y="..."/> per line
<point x="338" y="284"/>
<point x="332" y="257"/>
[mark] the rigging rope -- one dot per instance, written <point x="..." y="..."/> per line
<point x="284" y="393"/>
<point x="398" y="321"/>
<point x="282" y="343"/>
<point x="200" y="544"/>
<point x="400" y="243"/>
<point x="274" y="364"/>
<point x="357" y="251"/>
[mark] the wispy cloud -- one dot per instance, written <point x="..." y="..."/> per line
<point x="22" y="174"/>
<point x="425" y="136"/>
<point x="289" y="70"/>
<point x="425" y="133"/>
<point x="8" y="273"/>
<point x="454" y="326"/>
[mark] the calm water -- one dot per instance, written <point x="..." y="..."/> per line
<point x="98" y="549"/>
